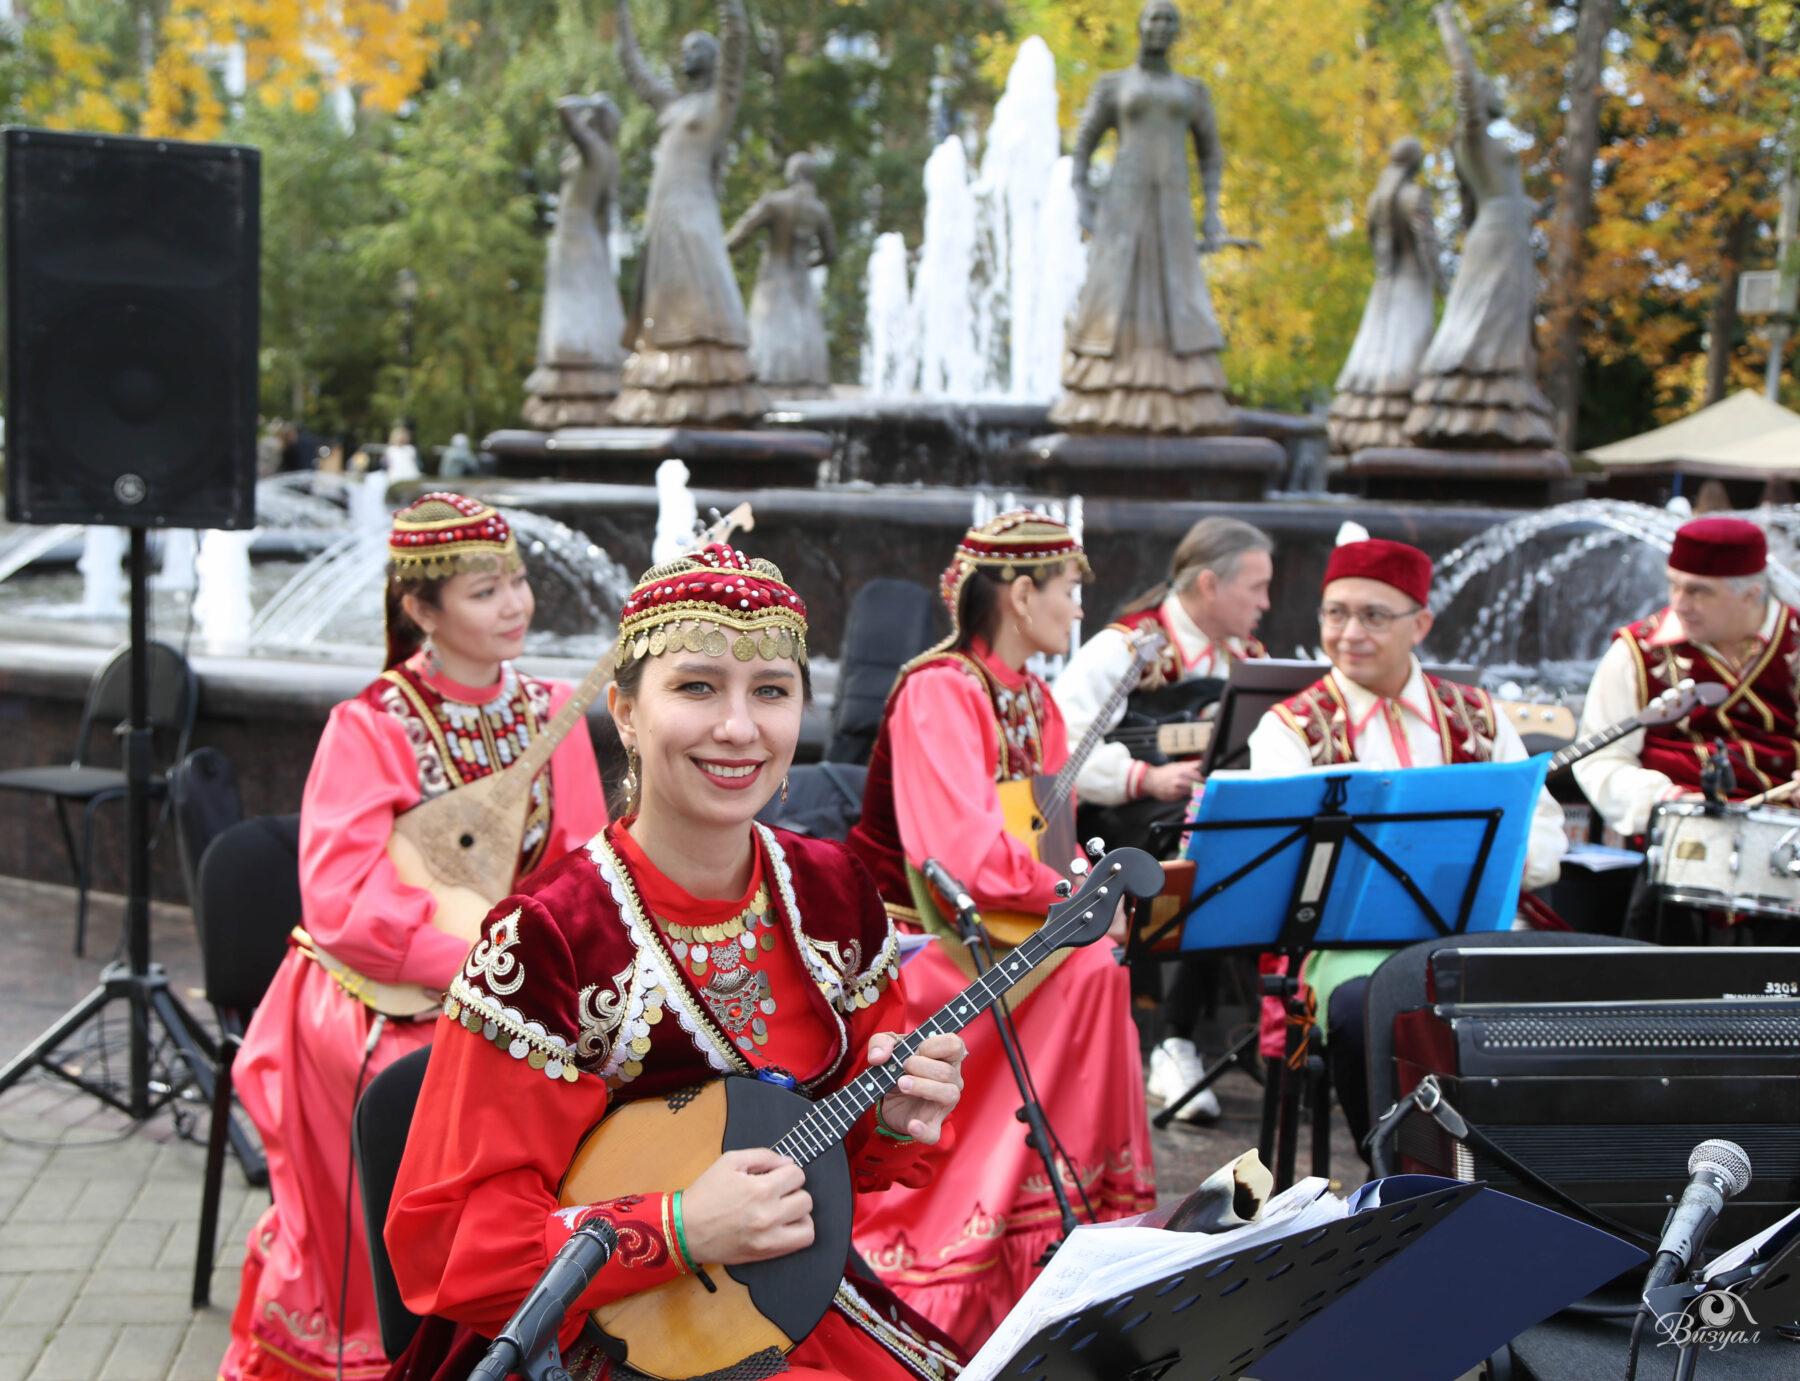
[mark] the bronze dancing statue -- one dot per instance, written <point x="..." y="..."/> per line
<point x="787" y="330"/>
<point x="689" y="364"/>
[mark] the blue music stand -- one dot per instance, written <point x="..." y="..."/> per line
<point x="1345" y="858"/>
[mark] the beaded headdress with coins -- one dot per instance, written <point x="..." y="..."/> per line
<point x="1021" y="542"/>
<point x="713" y="600"/>
<point x="438" y="536"/>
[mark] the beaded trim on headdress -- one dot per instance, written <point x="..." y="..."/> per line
<point x="699" y="600"/>
<point x="446" y="534"/>
<point x="1014" y="544"/>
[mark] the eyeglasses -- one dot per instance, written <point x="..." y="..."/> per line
<point x="1372" y="617"/>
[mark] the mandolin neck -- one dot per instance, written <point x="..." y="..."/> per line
<point x="1593" y="743"/>
<point x="832" y="1117"/>
<point x="1064" y="784"/>
<point x="529" y="763"/>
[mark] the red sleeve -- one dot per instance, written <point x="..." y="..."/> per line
<point x="363" y="775"/>
<point x="475" y="1219"/>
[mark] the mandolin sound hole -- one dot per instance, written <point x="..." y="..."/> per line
<point x="467" y="841"/>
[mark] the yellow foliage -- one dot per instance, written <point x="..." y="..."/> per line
<point x="294" y="52"/>
<point x="1307" y="107"/>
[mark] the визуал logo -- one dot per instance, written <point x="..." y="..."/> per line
<point x="1714" y="1320"/>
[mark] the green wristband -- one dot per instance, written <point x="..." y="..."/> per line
<point x="681" y="1245"/>
<point x="882" y="1128"/>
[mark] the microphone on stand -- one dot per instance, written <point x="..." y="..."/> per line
<point x="535" y="1322"/>
<point x="968" y="919"/>
<point x="1717" y="1170"/>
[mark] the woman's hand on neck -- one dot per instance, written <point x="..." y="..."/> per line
<point x="711" y="862"/>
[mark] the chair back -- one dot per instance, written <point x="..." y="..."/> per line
<point x="1399" y="986"/>
<point x="824" y="799"/>
<point x="204" y="792"/>
<point x="247" y="900"/>
<point x="890" y="622"/>
<point x="384" y="1116"/>
<point x="172" y="702"/>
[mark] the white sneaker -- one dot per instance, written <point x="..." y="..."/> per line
<point x="1175" y="1067"/>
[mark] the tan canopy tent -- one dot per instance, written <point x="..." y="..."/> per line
<point x="1744" y="437"/>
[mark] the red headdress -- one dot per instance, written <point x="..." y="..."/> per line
<point x="1719" y="547"/>
<point x="1405" y="568"/>
<point x="709" y="601"/>
<point x="437" y="536"/>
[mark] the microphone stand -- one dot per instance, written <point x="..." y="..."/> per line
<point x="1031" y="1112"/>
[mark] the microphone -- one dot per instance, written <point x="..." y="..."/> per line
<point x="538" y="1318"/>
<point x="967" y="918"/>
<point x="1717" y="1170"/>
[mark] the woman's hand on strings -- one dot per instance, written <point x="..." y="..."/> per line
<point x="747" y="1206"/>
<point x="929" y="1088"/>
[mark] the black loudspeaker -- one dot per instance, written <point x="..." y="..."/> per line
<point x="131" y="330"/>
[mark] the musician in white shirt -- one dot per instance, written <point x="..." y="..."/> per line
<point x="1206" y="614"/>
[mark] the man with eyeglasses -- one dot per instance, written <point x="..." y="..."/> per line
<point x="1378" y="707"/>
<point x="1720" y="625"/>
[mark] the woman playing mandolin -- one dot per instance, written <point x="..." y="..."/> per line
<point x="686" y="943"/>
<point x="448" y="711"/>
<point x="963" y="717"/>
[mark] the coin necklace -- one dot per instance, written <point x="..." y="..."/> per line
<point x="718" y="958"/>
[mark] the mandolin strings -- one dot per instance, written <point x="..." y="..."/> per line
<point x="831" y="1118"/>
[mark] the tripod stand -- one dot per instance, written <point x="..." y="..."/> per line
<point x="142" y="985"/>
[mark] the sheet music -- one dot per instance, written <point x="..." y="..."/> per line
<point x="1733" y="1257"/>
<point x="1101" y="1261"/>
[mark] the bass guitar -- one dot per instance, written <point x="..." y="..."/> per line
<point x="761" y="1310"/>
<point x="463" y="846"/>
<point x="1040" y="811"/>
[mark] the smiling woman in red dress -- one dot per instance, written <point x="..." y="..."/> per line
<point x="686" y="943"/>
<point x="449" y="710"/>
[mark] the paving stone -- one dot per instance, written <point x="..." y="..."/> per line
<point x="42" y="1297"/>
<point x="25" y="1339"/>
<point x="143" y="1352"/>
<point x="137" y="1244"/>
<point x="29" y="1234"/>
<point x="38" y="1260"/>
<point x="105" y="1201"/>
<point x="47" y="1201"/>
<point x="166" y="1303"/>
<point x="16" y="1366"/>
<point x="203" y="1347"/>
<point x="77" y="1350"/>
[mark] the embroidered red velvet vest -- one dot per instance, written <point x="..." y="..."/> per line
<point x="576" y="976"/>
<point x="455" y="743"/>
<point x="1018" y="717"/>
<point x="1759" y="720"/>
<point x="1466" y="721"/>
<point x="1167" y="669"/>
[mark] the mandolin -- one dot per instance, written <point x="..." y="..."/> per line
<point x="761" y="1310"/>
<point x="463" y="846"/>
<point x="1040" y="811"/>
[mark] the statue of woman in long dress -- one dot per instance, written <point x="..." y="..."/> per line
<point x="689" y="364"/>
<point x="787" y="331"/>
<point x="581" y="336"/>
<point x="1478" y="381"/>
<point x="1375" y="387"/>
<point x="1142" y="349"/>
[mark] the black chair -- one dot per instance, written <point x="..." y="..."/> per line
<point x="203" y="793"/>
<point x="890" y="622"/>
<point x="824" y="799"/>
<point x="173" y="700"/>
<point x="383" y="1117"/>
<point x="246" y="902"/>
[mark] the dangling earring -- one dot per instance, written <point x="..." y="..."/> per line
<point x="784" y="782"/>
<point x="429" y="648"/>
<point x="629" y="786"/>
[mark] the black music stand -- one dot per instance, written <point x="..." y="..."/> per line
<point x="1428" y="1284"/>
<point x="1290" y="864"/>
<point x="1768" y="1287"/>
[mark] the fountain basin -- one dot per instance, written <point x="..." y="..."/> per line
<point x="1229" y="469"/>
<point x="630" y="455"/>
<point x="1516" y="479"/>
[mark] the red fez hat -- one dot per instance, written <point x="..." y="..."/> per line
<point x="1719" y="546"/>
<point x="1406" y="568"/>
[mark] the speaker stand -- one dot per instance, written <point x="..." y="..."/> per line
<point x="142" y="985"/>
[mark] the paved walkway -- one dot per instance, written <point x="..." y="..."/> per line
<point x="98" y="1218"/>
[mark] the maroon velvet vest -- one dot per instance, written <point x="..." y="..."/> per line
<point x="1167" y="669"/>
<point x="1467" y="724"/>
<point x="1758" y="720"/>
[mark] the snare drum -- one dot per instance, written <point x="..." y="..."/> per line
<point x="1730" y="859"/>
